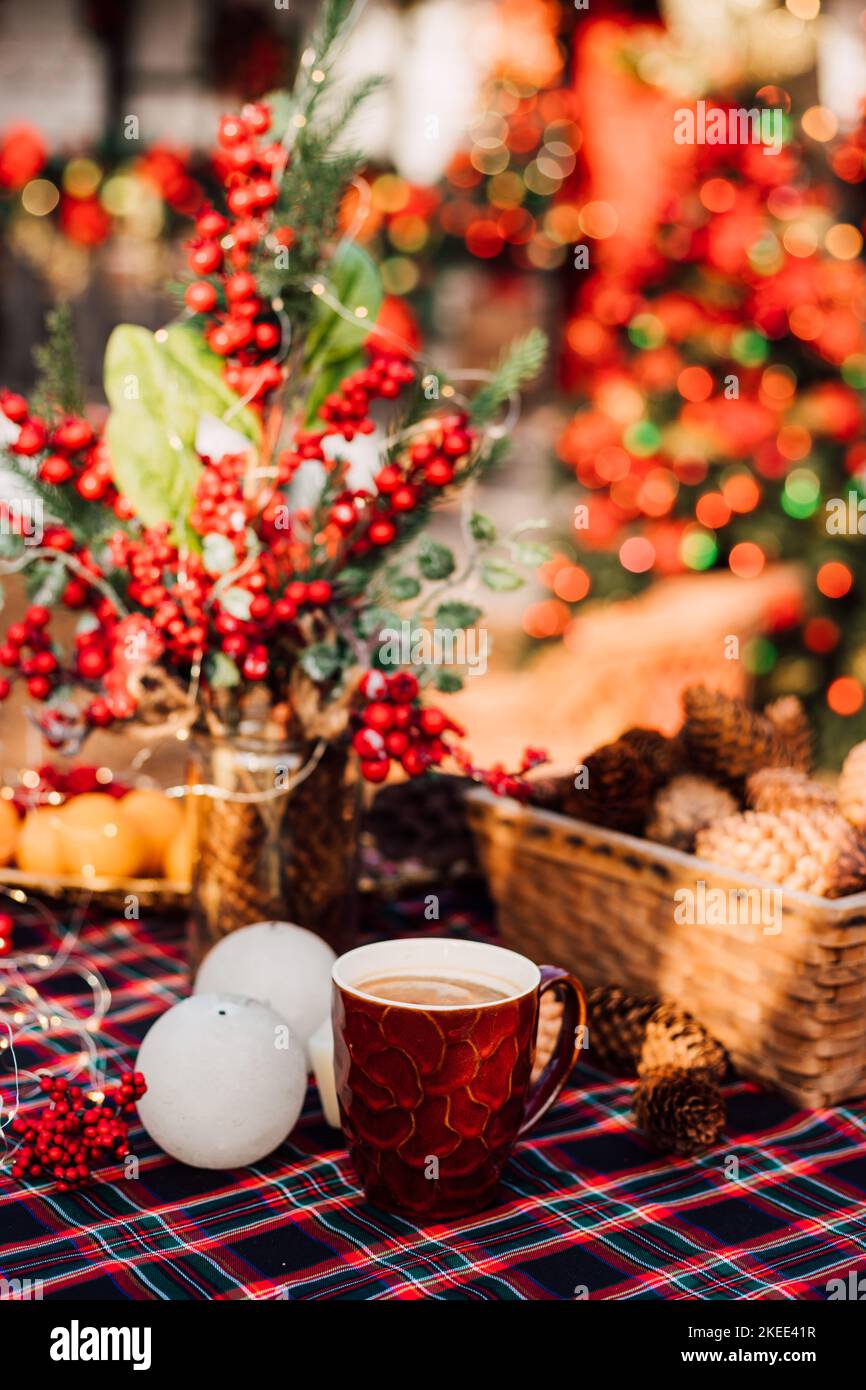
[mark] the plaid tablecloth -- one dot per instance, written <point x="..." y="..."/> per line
<point x="775" y="1211"/>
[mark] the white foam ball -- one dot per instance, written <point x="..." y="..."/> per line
<point x="281" y="965"/>
<point x="225" y="1081"/>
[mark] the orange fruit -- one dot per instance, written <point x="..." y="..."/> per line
<point x="159" y="820"/>
<point x="39" y="849"/>
<point x="179" y="857"/>
<point x="97" y="838"/>
<point x="10" y="824"/>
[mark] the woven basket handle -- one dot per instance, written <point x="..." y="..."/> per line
<point x="551" y="1081"/>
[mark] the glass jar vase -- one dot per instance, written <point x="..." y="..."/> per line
<point x="276" y="835"/>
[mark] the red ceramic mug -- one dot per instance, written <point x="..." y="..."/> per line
<point x="434" y="1096"/>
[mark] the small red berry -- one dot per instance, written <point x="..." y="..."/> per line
<point x="379" y="716"/>
<point x="73" y="434"/>
<point x="388" y="478"/>
<point x="320" y="592"/>
<point x="39" y="687"/>
<point x="200" y="297"/>
<point x="211" y="224"/>
<point x="206" y="258"/>
<point x="439" y="473"/>
<point x="268" y="336"/>
<point x="240" y="286"/>
<point x="373" y="685"/>
<point x="56" y="469"/>
<point x="368" y="743"/>
<point x="374" y="770"/>
<point x="14" y="407"/>
<point x="32" y="437"/>
<point x="257" y="117"/>
<point x="382" y="531"/>
<point x="231" y="131"/>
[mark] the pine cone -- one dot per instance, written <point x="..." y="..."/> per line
<point x="684" y="807"/>
<point x="851" y="790"/>
<point x="791" y="722"/>
<point x="673" y="1038"/>
<point x="619" y="790"/>
<point x="816" y="852"/>
<point x="551" y="793"/>
<point x="663" y="756"/>
<point x="727" y="740"/>
<point x="777" y="789"/>
<point x="617" y="1027"/>
<point x="680" y="1111"/>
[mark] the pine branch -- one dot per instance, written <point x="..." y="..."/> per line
<point x="63" y="504"/>
<point x="58" y="388"/>
<point x="523" y="361"/>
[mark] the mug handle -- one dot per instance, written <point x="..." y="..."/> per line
<point x="551" y="1081"/>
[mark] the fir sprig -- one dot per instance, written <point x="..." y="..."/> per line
<point x="58" y="386"/>
<point x="519" y="364"/>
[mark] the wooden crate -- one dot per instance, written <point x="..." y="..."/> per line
<point x="785" y="994"/>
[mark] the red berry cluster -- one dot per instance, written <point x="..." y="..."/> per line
<point x="70" y="451"/>
<point x="243" y="327"/>
<point x="73" y="1135"/>
<point x="395" y="727"/>
<point x="497" y="778"/>
<point x="74" y="782"/>
<point x="27" y="648"/>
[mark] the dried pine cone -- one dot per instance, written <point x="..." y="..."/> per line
<point x="684" y="807"/>
<point x="617" y="794"/>
<point x="816" y="852"/>
<point x="777" y="789"/>
<point x="619" y="789"/>
<point x="662" y="755"/>
<point x="727" y="740"/>
<point x="790" y="720"/>
<point x="673" y="1038"/>
<point x="551" y="793"/>
<point x="851" y="791"/>
<point x="617" y="1027"/>
<point x="680" y="1111"/>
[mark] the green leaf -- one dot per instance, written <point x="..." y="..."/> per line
<point x="353" y="279"/>
<point x="448" y="682"/>
<point x="499" y="576"/>
<point x="237" y="602"/>
<point x="455" y="614"/>
<point x="218" y="553"/>
<point x="405" y="586"/>
<point x="481" y="527"/>
<point x="435" y="561"/>
<point x="373" y="620"/>
<point x="530" y="552"/>
<point x="222" y="673"/>
<point x="158" y="389"/>
<point x="353" y="580"/>
<point x="321" y="661"/>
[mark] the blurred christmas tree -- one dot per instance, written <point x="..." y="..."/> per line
<point x="721" y="379"/>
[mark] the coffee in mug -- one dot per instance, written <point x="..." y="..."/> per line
<point x="434" y="1042"/>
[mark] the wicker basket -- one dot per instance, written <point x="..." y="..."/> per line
<point x="787" y="999"/>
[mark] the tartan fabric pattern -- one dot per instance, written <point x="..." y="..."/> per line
<point x="587" y="1209"/>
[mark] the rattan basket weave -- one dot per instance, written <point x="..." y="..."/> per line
<point x="788" y="1004"/>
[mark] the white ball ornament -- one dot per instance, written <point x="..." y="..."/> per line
<point x="226" y="1081"/>
<point x="281" y="965"/>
